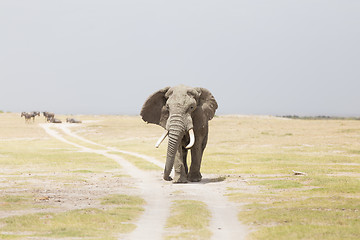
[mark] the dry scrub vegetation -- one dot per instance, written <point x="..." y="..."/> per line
<point x="44" y="181"/>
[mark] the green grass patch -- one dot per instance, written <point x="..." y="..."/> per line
<point x="51" y="156"/>
<point x="273" y="162"/>
<point x="334" y="185"/>
<point x="121" y="176"/>
<point x="192" y="218"/>
<point x="84" y="223"/>
<point x="311" y="218"/>
<point x="305" y="207"/>
<point x="281" y="184"/>
<point x="79" y="141"/>
<point x="308" y="231"/>
<point x="139" y="162"/>
<point x="15" y="202"/>
<point x="121" y="199"/>
<point x="82" y="171"/>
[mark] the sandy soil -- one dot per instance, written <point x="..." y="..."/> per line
<point x="159" y="194"/>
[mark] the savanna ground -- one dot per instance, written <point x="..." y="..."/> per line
<point x="52" y="189"/>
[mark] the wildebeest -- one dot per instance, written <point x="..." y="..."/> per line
<point x="54" y="120"/>
<point x="34" y="114"/>
<point x="30" y="115"/>
<point x="73" y="120"/>
<point x="27" y="116"/>
<point x="48" y="116"/>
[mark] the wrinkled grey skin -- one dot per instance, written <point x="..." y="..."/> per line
<point x="179" y="109"/>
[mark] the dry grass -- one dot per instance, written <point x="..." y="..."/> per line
<point x="324" y="204"/>
<point x="50" y="190"/>
<point x="264" y="151"/>
<point x="188" y="224"/>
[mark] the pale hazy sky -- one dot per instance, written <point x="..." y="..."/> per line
<point x="255" y="56"/>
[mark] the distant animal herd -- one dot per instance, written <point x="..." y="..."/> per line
<point x="49" y="117"/>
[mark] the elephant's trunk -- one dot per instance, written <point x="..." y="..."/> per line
<point x="176" y="132"/>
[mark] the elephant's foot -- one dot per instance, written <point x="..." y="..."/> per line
<point x="194" y="177"/>
<point x="168" y="178"/>
<point x="180" y="179"/>
<point x="180" y="175"/>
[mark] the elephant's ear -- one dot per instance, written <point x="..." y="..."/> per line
<point x="153" y="110"/>
<point x="207" y="102"/>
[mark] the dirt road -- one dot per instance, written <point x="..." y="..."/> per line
<point x="159" y="194"/>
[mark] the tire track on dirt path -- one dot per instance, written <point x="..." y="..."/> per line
<point x="224" y="223"/>
<point x="66" y="130"/>
<point x="152" y="222"/>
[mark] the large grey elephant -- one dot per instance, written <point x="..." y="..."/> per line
<point x="184" y="112"/>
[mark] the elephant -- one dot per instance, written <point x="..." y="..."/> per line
<point x="184" y="113"/>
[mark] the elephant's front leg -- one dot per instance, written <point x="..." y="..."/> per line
<point x="196" y="157"/>
<point x="194" y="173"/>
<point x="179" y="167"/>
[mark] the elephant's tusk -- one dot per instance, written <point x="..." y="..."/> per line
<point x="161" y="139"/>
<point x="192" y="139"/>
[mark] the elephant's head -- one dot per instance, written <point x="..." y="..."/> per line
<point x="180" y="110"/>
